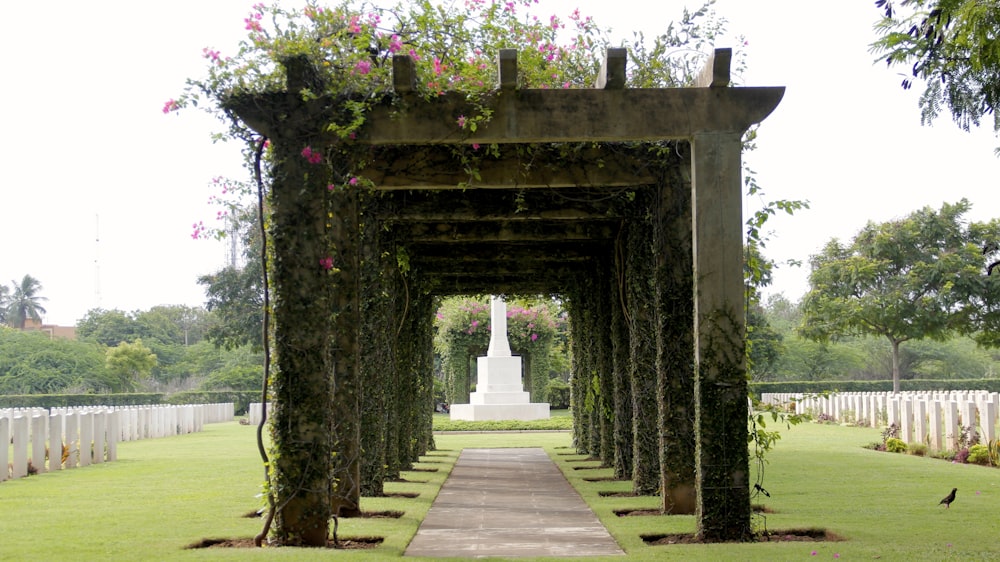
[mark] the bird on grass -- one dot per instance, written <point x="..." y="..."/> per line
<point x="949" y="498"/>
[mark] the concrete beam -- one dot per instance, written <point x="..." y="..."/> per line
<point x="542" y="116"/>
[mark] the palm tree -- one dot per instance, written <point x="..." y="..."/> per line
<point x="4" y="300"/>
<point x="23" y="302"/>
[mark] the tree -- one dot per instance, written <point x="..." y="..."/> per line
<point x="903" y="280"/>
<point x="236" y="298"/>
<point x="130" y="363"/>
<point x="24" y="302"/>
<point x="235" y="294"/>
<point x="107" y="327"/>
<point x="952" y="47"/>
<point x="31" y="362"/>
<point x="4" y="301"/>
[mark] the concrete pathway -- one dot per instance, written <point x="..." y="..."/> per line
<point x="509" y="503"/>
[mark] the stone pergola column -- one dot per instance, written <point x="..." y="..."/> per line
<point x="723" y="508"/>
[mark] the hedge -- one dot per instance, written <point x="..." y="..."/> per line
<point x="815" y="387"/>
<point x="241" y="399"/>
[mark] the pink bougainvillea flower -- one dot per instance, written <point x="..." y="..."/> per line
<point x="326" y="263"/>
<point x="461" y="121"/>
<point x="534" y="337"/>
<point x="311" y="156"/>
<point x="395" y="44"/>
<point x="170" y="105"/>
<point x="438" y="67"/>
<point x="331" y="187"/>
<point x="363" y="67"/>
<point x="353" y="25"/>
<point x="475" y="146"/>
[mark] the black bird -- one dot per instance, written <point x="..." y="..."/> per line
<point x="949" y="498"/>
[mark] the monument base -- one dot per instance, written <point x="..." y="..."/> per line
<point x="499" y="412"/>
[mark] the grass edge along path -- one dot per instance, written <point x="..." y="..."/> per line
<point x="166" y="493"/>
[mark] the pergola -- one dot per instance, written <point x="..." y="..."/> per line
<point x="625" y="201"/>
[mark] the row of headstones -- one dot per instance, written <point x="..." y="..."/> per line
<point x="255" y="412"/>
<point x="935" y="418"/>
<point x="72" y="437"/>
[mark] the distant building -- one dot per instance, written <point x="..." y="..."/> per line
<point x="64" y="332"/>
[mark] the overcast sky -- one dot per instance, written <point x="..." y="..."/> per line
<point x="99" y="189"/>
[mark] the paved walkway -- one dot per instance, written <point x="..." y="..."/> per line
<point x="509" y="503"/>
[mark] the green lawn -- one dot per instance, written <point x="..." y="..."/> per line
<point x="166" y="493"/>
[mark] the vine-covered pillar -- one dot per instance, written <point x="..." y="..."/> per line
<point x="302" y="419"/>
<point x="605" y="364"/>
<point x="642" y="345"/>
<point x="407" y="383"/>
<point x="396" y="396"/>
<point x="674" y="302"/>
<point x="423" y="316"/>
<point x="620" y="349"/>
<point x="377" y="346"/>
<point x="589" y="337"/>
<point x="722" y="468"/>
<point x="578" y="378"/>
<point x="345" y="319"/>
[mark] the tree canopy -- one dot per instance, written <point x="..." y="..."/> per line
<point x="22" y="302"/>
<point x="949" y="45"/>
<point x="912" y="278"/>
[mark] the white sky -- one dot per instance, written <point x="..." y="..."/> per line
<point x="84" y="137"/>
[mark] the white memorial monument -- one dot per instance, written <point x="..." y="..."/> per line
<point x="499" y="394"/>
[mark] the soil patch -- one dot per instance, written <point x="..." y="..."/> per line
<point x="628" y="494"/>
<point x="637" y="512"/>
<point x="391" y="514"/>
<point x="400" y="494"/>
<point x="421" y="470"/>
<point x="407" y="480"/>
<point x="786" y="535"/>
<point x="588" y="459"/>
<point x="347" y="543"/>
<point x="605" y="479"/>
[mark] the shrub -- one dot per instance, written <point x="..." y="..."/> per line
<point x="918" y="449"/>
<point x="895" y="445"/>
<point x="961" y="456"/>
<point x="943" y="455"/>
<point x="979" y="454"/>
<point x="558" y="394"/>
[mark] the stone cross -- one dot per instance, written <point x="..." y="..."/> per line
<point x="499" y="346"/>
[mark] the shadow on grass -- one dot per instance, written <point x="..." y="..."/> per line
<point x="785" y="535"/>
<point x="347" y="543"/>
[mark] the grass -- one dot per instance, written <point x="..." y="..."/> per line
<point x="558" y="420"/>
<point x="164" y="494"/>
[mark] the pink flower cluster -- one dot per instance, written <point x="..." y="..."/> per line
<point x="313" y="157"/>
<point x="198" y="230"/>
<point x="326" y="263"/>
<point x="395" y="44"/>
<point x="211" y="55"/>
<point x="170" y="105"/>
<point x="363" y="67"/>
